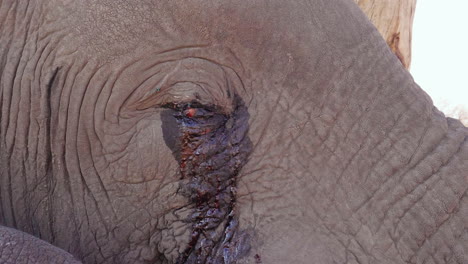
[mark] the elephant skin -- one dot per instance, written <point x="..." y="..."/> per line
<point x="19" y="247"/>
<point x="220" y="132"/>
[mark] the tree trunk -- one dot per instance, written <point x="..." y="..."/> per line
<point x="394" y="20"/>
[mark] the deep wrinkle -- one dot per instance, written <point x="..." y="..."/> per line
<point x="213" y="147"/>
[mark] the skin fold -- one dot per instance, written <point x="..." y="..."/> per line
<point x="18" y="247"/>
<point x="220" y="132"/>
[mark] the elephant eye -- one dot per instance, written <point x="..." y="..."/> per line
<point x="190" y="112"/>
<point x="194" y="111"/>
<point x="197" y="113"/>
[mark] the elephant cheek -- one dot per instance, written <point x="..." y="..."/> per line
<point x="141" y="156"/>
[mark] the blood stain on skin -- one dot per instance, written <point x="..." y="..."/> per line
<point x="258" y="259"/>
<point x="213" y="147"/>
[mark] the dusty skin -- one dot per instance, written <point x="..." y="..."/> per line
<point x="220" y="132"/>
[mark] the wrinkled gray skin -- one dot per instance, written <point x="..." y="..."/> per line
<point x="351" y="163"/>
<point x="19" y="247"/>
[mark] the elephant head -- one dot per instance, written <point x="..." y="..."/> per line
<point x="222" y="132"/>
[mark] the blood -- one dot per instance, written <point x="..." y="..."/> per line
<point x="214" y="147"/>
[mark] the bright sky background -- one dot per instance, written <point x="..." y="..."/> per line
<point x="440" y="51"/>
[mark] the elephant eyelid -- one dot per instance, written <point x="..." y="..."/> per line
<point x="181" y="99"/>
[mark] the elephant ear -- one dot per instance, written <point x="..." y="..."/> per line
<point x="18" y="247"/>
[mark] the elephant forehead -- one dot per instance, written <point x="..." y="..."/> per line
<point x="108" y="22"/>
<point x="254" y="30"/>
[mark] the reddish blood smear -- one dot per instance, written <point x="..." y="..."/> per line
<point x="258" y="259"/>
<point x="211" y="154"/>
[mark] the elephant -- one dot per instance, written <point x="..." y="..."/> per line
<point x="220" y="132"/>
